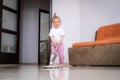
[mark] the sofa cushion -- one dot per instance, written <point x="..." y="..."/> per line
<point x="108" y="31"/>
<point x="107" y="41"/>
<point x="114" y="40"/>
<point x="79" y="44"/>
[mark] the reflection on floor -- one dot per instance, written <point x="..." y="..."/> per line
<point x="34" y="72"/>
<point x="55" y="74"/>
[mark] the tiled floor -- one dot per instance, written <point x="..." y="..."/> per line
<point x="34" y="72"/>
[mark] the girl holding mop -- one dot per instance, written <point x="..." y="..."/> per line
<point x="57" y="36"/>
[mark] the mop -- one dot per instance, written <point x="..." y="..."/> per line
<point x="52" y="59"/>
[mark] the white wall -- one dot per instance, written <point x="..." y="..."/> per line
<point x="29" y="30"/>
<point x="69" y="12"/>
<point x="95" y="13"/>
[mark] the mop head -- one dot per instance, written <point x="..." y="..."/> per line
<point x="51" y="67"/>
<point x="54" y="56"/>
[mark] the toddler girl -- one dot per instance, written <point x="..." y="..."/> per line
<point x="56" y="36"/>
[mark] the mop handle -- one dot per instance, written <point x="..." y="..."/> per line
<point x="56" y="48"/>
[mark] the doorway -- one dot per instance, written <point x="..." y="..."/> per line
<point x="44" y="46"/>
<point x="9" y="31"/>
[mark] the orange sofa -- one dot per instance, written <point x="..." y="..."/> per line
<point x="105" y="50"/>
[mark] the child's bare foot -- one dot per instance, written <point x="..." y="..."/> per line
<point x="61" y="65"/>
<point x="52" y="64"/>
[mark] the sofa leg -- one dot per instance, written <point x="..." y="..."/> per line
<point x="74" y="65"/>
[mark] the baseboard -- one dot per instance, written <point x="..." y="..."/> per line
<point x="8" y="65"/>
<point x="65" y="64"/>
<point x="29" y="63"/>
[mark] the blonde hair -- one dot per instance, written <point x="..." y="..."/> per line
<point x="55" y="17"/>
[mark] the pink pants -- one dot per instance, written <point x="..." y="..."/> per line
<point x="60" y="50"/>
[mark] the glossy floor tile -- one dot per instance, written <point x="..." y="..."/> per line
<point x="34" y="72"/>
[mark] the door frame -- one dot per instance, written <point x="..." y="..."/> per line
<point x="39" y="31"/>
<point x="50" y="25"/>
<point x="10" y="58"/>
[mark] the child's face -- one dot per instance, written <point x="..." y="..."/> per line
<point x="56" y="23"/>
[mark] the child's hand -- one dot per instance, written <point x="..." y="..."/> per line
<point x="58" y="42"/>
<point x="54" y="44"/>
